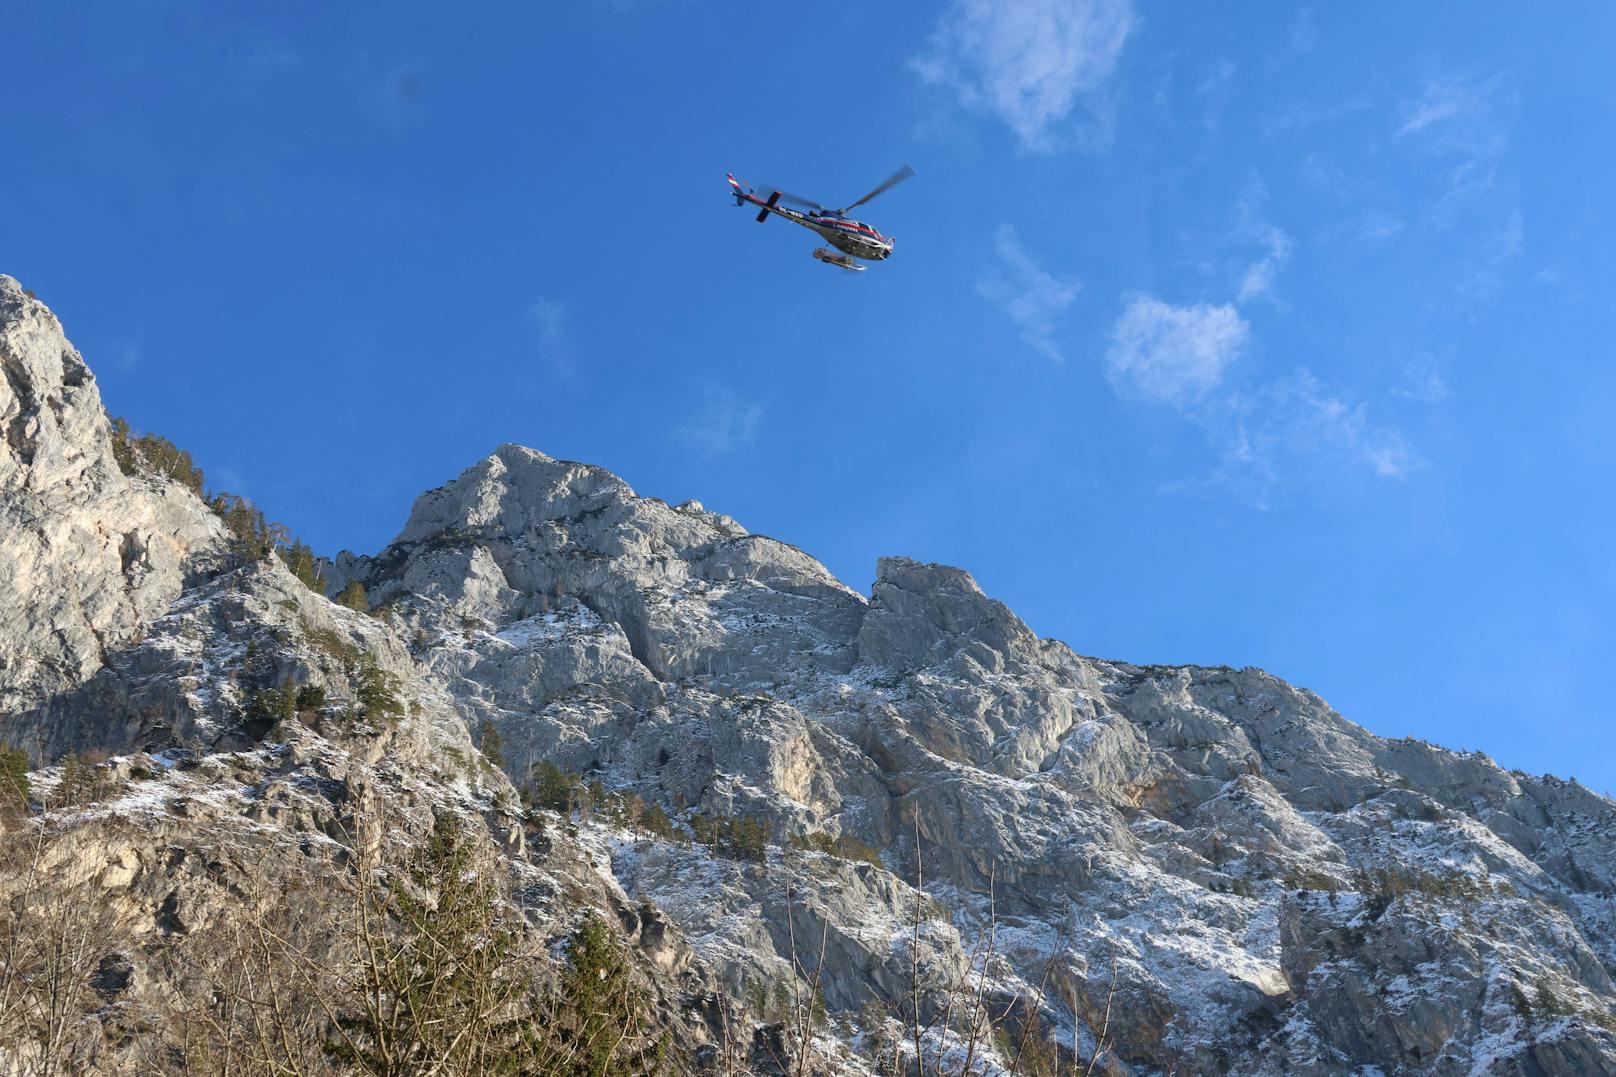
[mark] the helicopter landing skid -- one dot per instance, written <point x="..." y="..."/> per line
<point x="835" y="258"/>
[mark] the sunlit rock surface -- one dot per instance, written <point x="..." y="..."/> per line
<point x="1246" y="881"/>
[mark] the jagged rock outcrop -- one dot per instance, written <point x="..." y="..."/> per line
<point x="87" y="554"/>
<point x="257" y="730"/>
<point x="1199" y="828"/>
<point x="1179" y="869"/>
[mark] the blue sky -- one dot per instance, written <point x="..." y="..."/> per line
<point x="1273" y="337"/>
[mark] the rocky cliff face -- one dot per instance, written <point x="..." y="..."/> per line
<point x="1177" y="870"/>
<point x="87" y="554"/>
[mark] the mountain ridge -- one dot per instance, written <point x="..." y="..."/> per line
<point x="1258" y="884"/>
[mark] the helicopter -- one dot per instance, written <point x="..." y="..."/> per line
<point x="851" y="239"/>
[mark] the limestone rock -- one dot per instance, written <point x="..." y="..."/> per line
<point x="1180" y="869"/>
<point x="88" y="556"/>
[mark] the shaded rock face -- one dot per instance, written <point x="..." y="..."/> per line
<point x="1182" y="870"/>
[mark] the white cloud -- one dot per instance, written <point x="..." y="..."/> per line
<point x="1264" y="431"/>
<point x="1462" y="122"/>
<point x="132" y="352"/>
<point x="1215" y="89"/>
<point x="1263" y="436"/>
<point x="1029" y="62"/>
<point x="1032" y="297"/>
<point x="228" y="478"/>
<point x="555" y="346"/>
<point x="1490" y="257"/>
<point x="723" y="423"/>
<point x="1423" y="381"/>
<point x="1297" y="117"/>
<point x="1174" y="355"/>
<point x="1459" y="129"/>
<point x="1258" y="279"/>
<point x="1294" y="431"/>
<point x="1259" y="276"/>
<point x="1304" y="33"/>
<point x="258" y="55"/>
<point x="1313" y="421"/>
<point x="1374" y="225"/>
<point x="1444" y="100"/>
<point x="1217" y="78"/>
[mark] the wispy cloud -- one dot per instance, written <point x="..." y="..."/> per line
<point x="1258" y="278"/>
<point x="723" y="423"/>
<point x="259" y="55"/>
<point x="252" y="58"/>
<point x="131" y="353"/>
<point x="1373" y="226"/>
<point x="394" y="97"/>
<point x="1296" y="117"/>
<point x="1217" y="78"/>
<point x="1170" y="354"/>
<point x="1304" y="33"/>
<point x="1310" y="419"/>
<point x="1215" y="89"/>
<point x="1443" y="100"/>
<point x="1484" y="273"/>
<point x="1029" y="62"/>
<point x="1261" y="433"/>
<point x="1462" y="122"/>
<point x="1296" y="430"/>
<point x="549" y="319"/>
<point x="1423" y="381"/>
<point x="1031" y="296"/>
<point x="228" y="478"/>
<point x="1460" y="127"/>
<point x="1367" y="210"/>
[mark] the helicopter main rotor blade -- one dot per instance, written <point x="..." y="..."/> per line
<point x="892" y="181"/>
<point x="797" y="200"/>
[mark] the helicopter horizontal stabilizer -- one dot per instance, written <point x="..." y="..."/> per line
<point x="763" y="214"/>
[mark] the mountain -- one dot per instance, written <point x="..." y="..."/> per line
<point x="769" y="784"/>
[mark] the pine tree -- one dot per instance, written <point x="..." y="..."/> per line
<point x="602" y="1009"/>
<point x="14" y="792"/>
<point x="82" y="782"/>
<point x="488" y="743"/>
<point x="744" y="838"/>
<point x="554" y="789"/>
<point x="353" y="596"/>
<point x="440" y="982"/>
<point x="253" y="537"/>
<point x="299" y="559"/>
<point x="377" y="692"/>
<point x="122" y="451"/>
<point x="274" y="704"/>
<point x="310" y="697"/>
<point x="653" y="820"/>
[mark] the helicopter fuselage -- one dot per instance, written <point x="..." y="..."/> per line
<point x="847" y="235"/>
